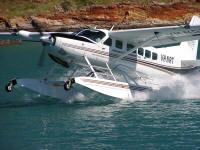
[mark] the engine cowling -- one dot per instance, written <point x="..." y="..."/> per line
<point x="25" y="34"/>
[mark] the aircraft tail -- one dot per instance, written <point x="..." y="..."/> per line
<point x="195" y="21"/>
<point x="194" y="46"/>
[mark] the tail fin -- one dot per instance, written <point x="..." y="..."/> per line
<point x="195" y="21"/>
<point x="194" y="45"/>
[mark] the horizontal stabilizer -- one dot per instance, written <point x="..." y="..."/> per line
<point x="195" y="21"/>
<point x="186" y="63"/>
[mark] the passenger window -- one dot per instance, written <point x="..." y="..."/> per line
<point x="140" y="51"/>
<point x="147" y="54"/>
<point x="118" y="44"/>
<point x="154" y="56"/>
<point x="129" y="47"/>
<point x="108" y="42"/>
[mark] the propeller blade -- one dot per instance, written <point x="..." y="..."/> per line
<point x="36" y="26"/>
<point x="42" y="57"/>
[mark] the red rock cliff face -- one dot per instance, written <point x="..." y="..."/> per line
<point x="172" y="11"/>
<point x="122" y="15"/>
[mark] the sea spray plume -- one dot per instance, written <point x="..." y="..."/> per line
<point x="191" y="85"/>
<point x="178" y="87"/>
<point x="138" y="96"/>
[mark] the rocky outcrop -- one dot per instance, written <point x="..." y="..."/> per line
<point x="123" y="15"/>
<point x="4" y="23"/>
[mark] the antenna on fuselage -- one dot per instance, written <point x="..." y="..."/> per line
<point x="112" y="28"/>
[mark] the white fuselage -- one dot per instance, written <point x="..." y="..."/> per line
<point x="139" y="68"/>
<point x="159" y="62"/>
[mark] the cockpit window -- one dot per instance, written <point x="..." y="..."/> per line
<point x="94" y="35"/>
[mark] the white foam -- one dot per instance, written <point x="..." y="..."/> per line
<point x="178" y="87"/>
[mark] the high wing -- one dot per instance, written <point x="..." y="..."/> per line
<point x="159" y="35"/>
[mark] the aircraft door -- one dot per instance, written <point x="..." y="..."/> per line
<point x="104" y="52"/>
<point x="104" y="48"/>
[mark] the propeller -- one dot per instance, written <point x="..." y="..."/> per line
<point x="17" y="33"/>
<point x="36" y="26"/>
<point x="42" y="57"/>
<point x="46" y="40"/>
<point x="42" y="39"/>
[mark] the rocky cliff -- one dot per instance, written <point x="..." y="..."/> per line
<point x="123" y="15"/>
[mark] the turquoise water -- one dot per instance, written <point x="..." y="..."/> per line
<point x="31" y="121"/>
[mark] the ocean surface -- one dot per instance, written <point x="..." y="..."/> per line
<point x="29" y="121"/>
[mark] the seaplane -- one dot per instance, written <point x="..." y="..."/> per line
<point x="120" y="63"/>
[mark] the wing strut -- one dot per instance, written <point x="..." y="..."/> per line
<point x="137" y="46"/>
<point x="92" y="69"/>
